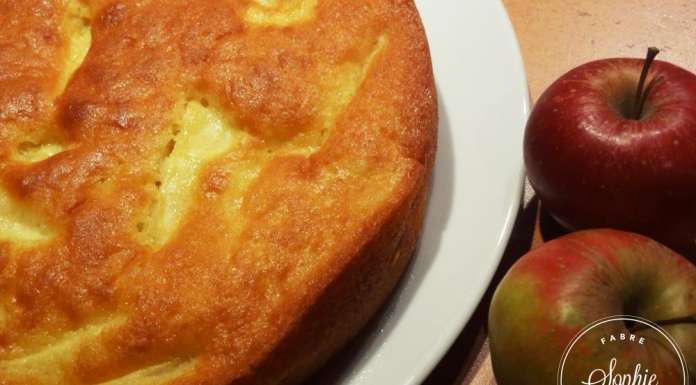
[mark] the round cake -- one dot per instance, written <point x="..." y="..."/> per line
<point x="204" y="192"/>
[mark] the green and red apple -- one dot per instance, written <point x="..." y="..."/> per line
<point x="559" y="288"/>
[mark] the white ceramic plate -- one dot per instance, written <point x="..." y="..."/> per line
<point x="477" y="188"/>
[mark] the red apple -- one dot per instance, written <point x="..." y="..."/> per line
<point x="597" y="159"/>
<point x="556" y="290"/>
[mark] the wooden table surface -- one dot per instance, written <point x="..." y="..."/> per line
<point x="555" y="36"/>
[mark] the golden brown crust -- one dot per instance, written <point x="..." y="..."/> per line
<point x="282" y="244"/>
<point x="349" y="301"/>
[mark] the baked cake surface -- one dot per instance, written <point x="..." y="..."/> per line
<point x="204" y="192"/>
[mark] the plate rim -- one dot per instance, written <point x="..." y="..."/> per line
<point x="448" y="338"/>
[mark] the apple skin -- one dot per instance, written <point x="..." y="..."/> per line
<point x="559" y="288"/>
<point x="594" y="168"/>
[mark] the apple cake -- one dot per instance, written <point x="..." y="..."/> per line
<point x="204" y="192"/>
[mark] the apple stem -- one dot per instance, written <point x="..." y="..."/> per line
<point x="674" y="321"/>
<point x="641" y="94"/>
